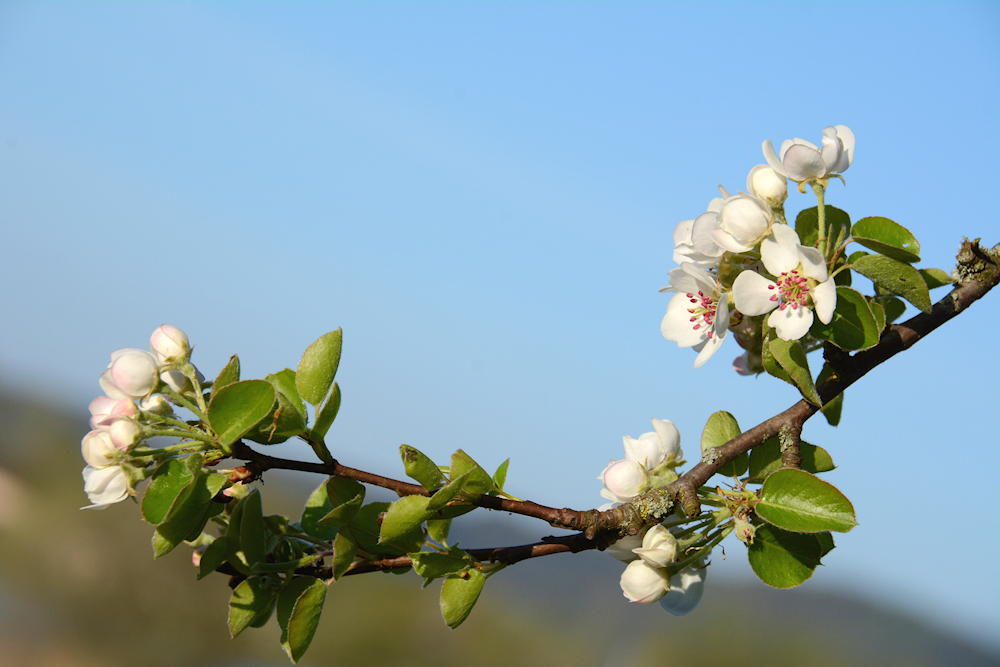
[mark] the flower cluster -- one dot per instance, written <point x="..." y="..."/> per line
<point x="138" y="387"/>
<point x="653" y="572"/>
<point x="740" y="258"/>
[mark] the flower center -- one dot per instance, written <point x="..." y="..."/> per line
<point x="793" y="289"/>
<point x="703" y="311"/>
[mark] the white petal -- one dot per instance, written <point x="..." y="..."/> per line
<point x="780" y="250"/>
<point x="791" y="323"/>
<point x="802" y="163"/>
<point x="752" y="293"/>
<point x="646" y="450"/>
<point x="813" y="263"/>
<point x="677" y="325"/>
<point x="682" y="233"/>
<point x="686" y="589"/>
<point x="824" y="298"/>
<point x="670" y="437"/>
<point x="772" y="158"/>
<point x="701" y="234"/>
<point x="726" y="241"/>
<point x="642" y="583"/>
<point x="846" y="136"/>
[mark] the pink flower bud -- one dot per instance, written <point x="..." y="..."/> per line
<point x="98" y="449"/>
<point x="169" y="343"/>
<point x="624" y="480"/>
<point x="156" y="405"/>
<point x="131" y="374"/>
<point x="124" y="433"/>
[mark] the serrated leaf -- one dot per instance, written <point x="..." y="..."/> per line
<point x="316" y="509"/>
<point x="765" y="459"/>
<point x="344" y="550"/>
<point x="238" y="407"/>
<point x="853" y="326"/>
<point x="212" y="558"/>
<point x="326" y="414"/>
<point x="782" y="559"/>
<point x="318" y="367"/>
<point x="807" y="224"/>
<point x="437" y="529"/>
<point x="791" y="357"/>
<point x="419" y="467"/>
<point x="888" y="238"/>
<point x="404" y="515"/>
<point x="459" y="596"/>
<point x="166" y="484"/>
<point x="895" y="277"/>
<point x="720" y="429"/>
<point x="229" y="374"/>
<point x="478" y="480"/>
<point x="936" y="278"/>
<point x="797" y="501"/>
<point x="345" y="496"/>
<point x="500" y="476"/>
<point x="251" y="604"/>
<point x="300" y="604"/>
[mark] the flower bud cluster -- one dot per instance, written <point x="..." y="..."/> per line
<point x="649" y="461"/>
<point x="740" y="258"/>
<point x="119" y="420"/>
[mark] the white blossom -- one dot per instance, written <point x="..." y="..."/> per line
<point x="698" y="315"/>
<point x="643" y="583"/>
<point x="803" y="161"/>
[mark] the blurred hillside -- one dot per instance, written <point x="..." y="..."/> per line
<point x="81" y="589"/>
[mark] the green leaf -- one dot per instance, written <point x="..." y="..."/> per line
<point x="894" y="308"/>
<point x="284" y="421"/>
<point x="833" y="408"/>
<point x="345" y="496"/>
<point x="895" y="277"/>
<point x="253" y="534"/>
<point x="782" y="559"/>
<point x="447" y="493"/>
<point x="458" y="597"/>
<point x="478" y="481"/>
<point x="164" y="487"/>
<point x="228" y="375"/>
<point x="853" y="326"/>
<point x="936" y="278"/>
<point x="189" y="507"/>
<point x="437" y="529"/>
<point x="878" y="311"/>
<point x="212" y="558"/>
<point x="403" y="517"/>
<point x="300" y="604"/>
<point x="326" y="414"/>
<point x="791" y="357"/>
<point x="887" y="237"/>
<point x="720" y="429"/>
<point x="284" y="384"/>
<point x="421" y="468"/>
<point x="500" y="476"/>
<point x="765" y="459"/>
<point x="771" y="364"/>
<point x="364" y="530"/>
<point x="318" y="367"/>
<point x="251" y="604"/>
<point x="799" y="502"/>
<point x="825" y="543"/>
<point x="238" y="407"/>
<point x="317" y="508"/>
<point x="344" y="550"/>
<point x="433" y="565"/>
<point x="807" y="224"/>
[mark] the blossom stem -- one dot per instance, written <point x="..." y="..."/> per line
<point x="819" y="190"/>
<point x="183" y="402"/>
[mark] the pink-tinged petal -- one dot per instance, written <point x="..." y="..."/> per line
<point x="802" y="163"/>
<point x="780" y="250"/>
<point x="824" y="298"/>
<point x="740" y="365"/>
<point x="772" y="158"/>
<point x="813" y="263"/>
<point x="625" y="479"/>
<point x="791" y="323"/>
<point x="753" y="294"/>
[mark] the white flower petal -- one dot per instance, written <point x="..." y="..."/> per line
<point x="752" y="293"/>
<point x="824" y="298"/>
<point x="791" y="323"/>
<point x="644" y="584"/>
<point x="813" y="263"/>
<point x="670" y="437"/>
<point x="686" y="589"/>
<point x="780" y="250"/>
<point x="802" y="163"/>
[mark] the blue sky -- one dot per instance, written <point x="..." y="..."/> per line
<point x="482" y="196"/>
